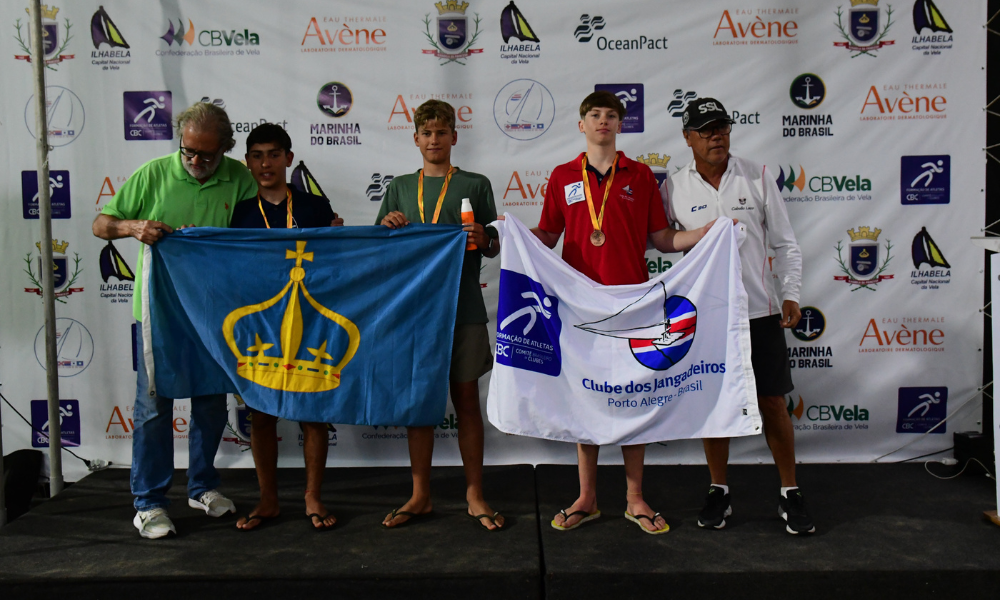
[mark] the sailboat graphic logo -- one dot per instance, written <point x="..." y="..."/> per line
<point x="524" y="109"/>
<point x="659" y="336"/>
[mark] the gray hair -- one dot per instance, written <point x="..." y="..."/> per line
<point x="203" y="116"/>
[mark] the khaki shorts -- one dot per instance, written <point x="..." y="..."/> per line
<point x="471" y="353"/>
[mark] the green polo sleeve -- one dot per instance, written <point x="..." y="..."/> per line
<point x="130" y="201"/>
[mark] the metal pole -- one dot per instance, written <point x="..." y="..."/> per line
<point x="3" y="482"/>
<point x="45" y="217"/>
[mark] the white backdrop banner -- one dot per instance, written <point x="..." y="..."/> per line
<point x="868" y="113"/>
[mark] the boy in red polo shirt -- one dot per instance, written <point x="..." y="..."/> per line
<point x="608" y="205"/>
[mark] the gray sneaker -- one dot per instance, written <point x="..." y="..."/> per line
<point x="213" y="503"/>
<point x="153" y="524"/>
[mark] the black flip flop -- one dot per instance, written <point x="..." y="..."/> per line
<point x="263" y="522"/>
<point x="412" y="517"/>
<point x="321" y="518"/>
<point x="492" y="518"/>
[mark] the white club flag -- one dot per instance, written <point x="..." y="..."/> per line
<point x="577" y="361"/>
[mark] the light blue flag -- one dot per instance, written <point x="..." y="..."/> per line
<point x="347" y="325"/>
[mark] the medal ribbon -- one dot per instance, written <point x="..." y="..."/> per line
<point x="596" y="220"/>
<point x="289" y="223"/>
<point x="420" y="195"/>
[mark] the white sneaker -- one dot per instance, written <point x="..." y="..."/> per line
<point x="213" y="503"/>
<point x="153" y="523"/>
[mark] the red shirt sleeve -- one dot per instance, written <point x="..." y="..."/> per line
<point x="657" y="219"/>
<point x="553" y="220"/>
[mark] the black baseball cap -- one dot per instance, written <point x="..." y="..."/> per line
<point x="702" y="111"/>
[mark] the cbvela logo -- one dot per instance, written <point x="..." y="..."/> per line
<point x="585" y="32"/>
<point x="54" y="40"/>
<point x="63" y="276"/>
<point x="925" y="179"/>
<point x="401" y="115"/>
<point x="904" y="102"/>
<point x="922" y="410"/>
<point x="827" y="417"/>
<point x="931" y="270"/>
<point x="756" y="26"/>
<point x="524" y="109"/>
<point x="514" y="25"/>
<point x="796" y="185"/>
<point x="217" y="42"/>
<point x="528" y="325"/>
<point x="335" y="101"/>
<point x="655" y="267"/>
<point x="64" y="115"/>
<point x="69" y="423"/>
<point x="104" y="32"/>
<point x="809" y="329"/>
<point x="933" y="34"/>
<point x="632" y="98"/>
<point x="862" y="270"/>
<point x="59" y="196"/>
<point x="148" y="115"/>
<point x="378" y="187"/>
<point x="526" y="187"/>
<point x="452" y="39"/>
<point x="861" y="30"/>
<point x="903" y="334"/>
<point x="74" y="347"/>
<point x="344" y="34"/>
<point x="807" y="92"/>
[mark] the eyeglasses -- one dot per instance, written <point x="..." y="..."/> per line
<point x="707" y="132"/>
<point x="205" y="157"/>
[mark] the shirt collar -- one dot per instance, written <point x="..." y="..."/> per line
<point x="623" y="161"/>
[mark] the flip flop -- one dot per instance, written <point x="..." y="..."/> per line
<point x="635" y="519"/>
<point x="587" y="517"/>
<point x="322" y="519"/>
<point x="492" y="518"/>
<point x="412" y="517"/>
<point x="263" y="522"/>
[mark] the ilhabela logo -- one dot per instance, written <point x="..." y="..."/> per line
<point x="344" y="34"/>
<point x="903" y="334"/>
<point x="898" y="102"/>
<point x="756" y="26"/>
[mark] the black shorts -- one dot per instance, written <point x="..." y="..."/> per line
<point x="769" y="356"/>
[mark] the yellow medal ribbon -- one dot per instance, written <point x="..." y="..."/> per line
<point x="420" y="195"/>
<point x="289" y="223"/>
<point x="594" y="218"/>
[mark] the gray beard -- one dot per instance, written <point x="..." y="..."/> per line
<point x="205" y="172"/>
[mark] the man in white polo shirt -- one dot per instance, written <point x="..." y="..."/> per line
<point x="717" y="184"/>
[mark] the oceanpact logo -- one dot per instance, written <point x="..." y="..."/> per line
<point x="861" y="32"/>
<point x="903" y="334"/>
<point x="585" y="32"/>
<point x="148" y="115"/>
<point x="335" y="101"/>
<point x="796" y="185"/>
<point x="104" y="32"/>
<point x="74" y="347"/>
<point x="69" y="423"/>
<point x="926" y="16"/>
<point x="348" y="34"/>
<point x="925" y="179"/>
<point x="452" y="40"/>
<point x="526" y="187"/>
<point x="926" y="252"/>
<point x="922" y="410"/>
<point x="903" y="102"/>
<point x="331" y="436"/>
<point x="681" y="98"/>
<point x="62" y="278"/>
<point x="59" y="196"/>
<point x="513" y="24"/>
<point x="113" y="265"/>
<point x="632" y="98"/>
<point x="862" y="269"/>
<point x="827" y="417"/>
<point x="809" y="329"/>
<point x="756" y="26"/>
<point x="401" y="115"/>
<point x="53" y="44"/>
<point x="209" y="38"/>
<point x="64" y="115"/>
<point x="378" y="187"/>
<point x="524" y="109"/>
<point x="807" y="92"/>
<point x="657" y="163"/>
<point x="241" y="125"/>
<point x="529" y="325"/>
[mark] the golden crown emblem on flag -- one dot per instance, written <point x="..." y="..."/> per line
<point x="654" y="160"/>
<point x="857" y="2"/>
<point x="864" y="233"/>
<point x="57" y="246"/>
<point x="47" y="13"/>
<point x="286" y="372"/>
<point x="451" y="6"/>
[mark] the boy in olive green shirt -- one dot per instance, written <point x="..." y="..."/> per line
<point x="434" y="195"/>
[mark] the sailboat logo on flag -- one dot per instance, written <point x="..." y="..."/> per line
<point x="529" y="325"/>
<point x="659" y="335"/>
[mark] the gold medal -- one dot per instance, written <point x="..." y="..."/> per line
<point x="597" y="238"/>
<point x="420" y="195"/>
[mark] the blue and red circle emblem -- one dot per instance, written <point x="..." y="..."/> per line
<point x="659" y="354"/>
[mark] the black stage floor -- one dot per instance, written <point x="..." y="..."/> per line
<point x="882" y="531"/>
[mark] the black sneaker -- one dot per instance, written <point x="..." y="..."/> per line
<point x="717" y="508"/>
<point x="793" y="510"/>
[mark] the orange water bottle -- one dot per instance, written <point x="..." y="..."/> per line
<point x="468" y="217"/>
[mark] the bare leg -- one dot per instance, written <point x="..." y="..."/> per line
<point x="717" y="455"/>
<point x="264" y="446"/>
<point x="780" y="436"/>
<point x="315" y="443"/>
<point x="421" y="443"/>
<point x="634" y="457"/>
<point x="465" y="397"/>
<point x="586" y="455"/>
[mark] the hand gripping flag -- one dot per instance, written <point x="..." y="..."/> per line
<point x="348" y="325"/>
<point x="628" y="364"/>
